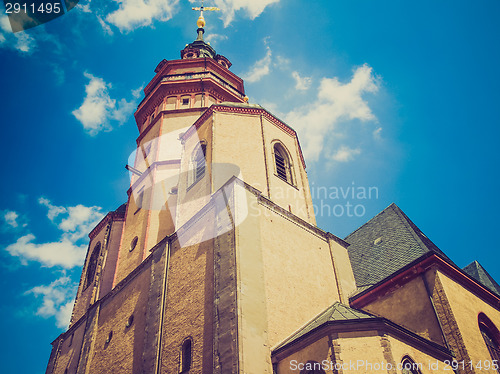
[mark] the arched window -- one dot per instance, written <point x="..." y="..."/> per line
<point x="312" y="367"/>
<point x="198" y="164"/>
<point x="408" y="366"/>
<point x="490" y="335"/>
<point x="185" y="363"/>
<point x="92" y="265"/>
<point x="282" y="163"/>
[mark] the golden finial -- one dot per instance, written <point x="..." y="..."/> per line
<point x="201" y="22"/>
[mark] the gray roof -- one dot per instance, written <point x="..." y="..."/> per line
<point x="386" y="244"/>
<point x="336" y="312"/>
<point x="476" y="271"/>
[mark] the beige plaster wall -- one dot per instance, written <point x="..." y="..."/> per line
<point x="465" y="307"/>
<point x="238" y="140"/>
<point x="318" y="351"/>
<point x="298" y="274"/>
<point x="427" y="363"/>
<point x="295" y="197"/>
<point x="410" y="307"/>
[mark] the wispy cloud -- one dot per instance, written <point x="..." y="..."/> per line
<point x="20" y="41"/>
<point x="67" y="252"/>
<point x="335" y="102"/>
<point x="301" y="83"/>
<point x="377" y="133"/>
<point x="57" y="300"/>
<point x="260" y="69"/>
<point x="99" y="110"/>
<point x="345" y="154"/>
<point x="252" y="8"/>
<point x="132" y="14"/>
<point x="214" y="38"/>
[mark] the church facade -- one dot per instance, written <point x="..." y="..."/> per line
<point x="215" y="263"/>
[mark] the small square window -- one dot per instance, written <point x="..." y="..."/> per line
<point x="185" y="101"/>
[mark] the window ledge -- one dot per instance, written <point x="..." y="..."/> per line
<point x="287" y="182"/>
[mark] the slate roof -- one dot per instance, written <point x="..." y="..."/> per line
<point x="476" y="271"/>
<point x="385" y="244"/>
<point x="336" y="312"/>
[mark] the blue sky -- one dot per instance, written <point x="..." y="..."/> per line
<point x="399" y="96"/>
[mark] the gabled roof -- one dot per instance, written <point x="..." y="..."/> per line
<point x="386" y="244"/>
<point x="476" y="271"/>
<point x="336" y="312"/>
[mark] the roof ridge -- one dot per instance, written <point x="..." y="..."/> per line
<point x="482" y="272"/>
<point x="408" y="223"/>
<point x="371" y="219"/>
<point x="415" y="230"/>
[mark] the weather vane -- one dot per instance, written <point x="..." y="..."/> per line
<point x="201" y="20"/>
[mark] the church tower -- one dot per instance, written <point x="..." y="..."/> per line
<point x="215" y="264"/>
<point x="215" y="257"/>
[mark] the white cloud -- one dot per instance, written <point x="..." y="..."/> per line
<point x="377" y="133"/>
<point x="132" y="14"/>
<point x="80" y="221"/>
<point x="253" y="8"/>
<point x="137" y="92"/>
<point x="57" y="300"/>
<point x="62" y="253"/>
<point x="345" y="154"/>
<point x="74" y="222"/>
<point x="105" y="27"/>
<point x="335" y="102"/>
<point x="20" y="41"/>
<point x="10" y="218"/>
<point x="54" y="211"/>
<point x="260" y="69"/>
<point x="99" y="109"/>
<point x="301" y="83"/>
<point x="214" y="38"/>
<point x="85" y="8"/>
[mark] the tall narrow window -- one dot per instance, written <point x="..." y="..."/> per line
<point x="92" y="265"/>
<point x="198" y="164"/>
<point x="185" y="363"/>
<point x="490" y="335"/>
<point x="282" y="163"/>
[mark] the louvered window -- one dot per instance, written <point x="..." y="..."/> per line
<point x="199" y="163"/>
<point x="282" y="163"/>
